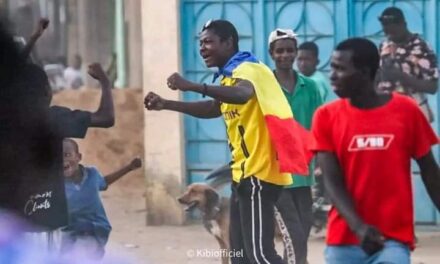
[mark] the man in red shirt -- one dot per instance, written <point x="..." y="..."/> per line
<point x="364" y="144"/>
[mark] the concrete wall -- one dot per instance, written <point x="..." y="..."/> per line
<point x="90" y="31"/>
<point x="91" y="34"/>
<point x="164" y="160"/>
<point x="72" y="29"/>
<point x="24" y="15"/>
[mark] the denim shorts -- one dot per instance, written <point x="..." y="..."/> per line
<point x="393" y="253"/>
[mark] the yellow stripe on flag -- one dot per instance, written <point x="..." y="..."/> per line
<point x="270" y="97"/>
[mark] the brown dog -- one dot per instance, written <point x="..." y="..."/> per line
<point x="215" y="212"/>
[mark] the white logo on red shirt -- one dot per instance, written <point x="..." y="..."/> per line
<point x="370" y="142"/>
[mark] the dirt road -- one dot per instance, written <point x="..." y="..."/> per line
<point x="180" y="245"/>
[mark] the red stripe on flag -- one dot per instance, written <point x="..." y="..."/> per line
<point x="291" y="142"/>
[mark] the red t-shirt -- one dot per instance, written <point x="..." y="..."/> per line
<point x="374" y="148"/>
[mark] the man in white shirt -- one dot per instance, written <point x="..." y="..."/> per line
<point x="73" y="75"/>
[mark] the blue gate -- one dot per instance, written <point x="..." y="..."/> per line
<point x="326" y="22"/>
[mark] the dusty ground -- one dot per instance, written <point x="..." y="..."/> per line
<point x="173" y="245"/>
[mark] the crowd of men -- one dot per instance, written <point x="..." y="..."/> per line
<point x="363" y="142"/>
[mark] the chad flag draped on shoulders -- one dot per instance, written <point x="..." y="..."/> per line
<point x="289" y="138"/>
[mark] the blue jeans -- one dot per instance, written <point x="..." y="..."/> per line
<point x="393" y="253"/>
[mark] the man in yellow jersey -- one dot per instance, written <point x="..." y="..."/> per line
<point x="260" y="145"/>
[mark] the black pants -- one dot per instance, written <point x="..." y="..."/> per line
<point x="252" y="222"/>
<point x="294" y="217"/>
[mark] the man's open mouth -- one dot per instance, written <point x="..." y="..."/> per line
<point x="206" y="57"/>
<point x="66" y="167"/>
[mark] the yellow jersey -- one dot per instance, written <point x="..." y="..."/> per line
<point x="253" y="153"/>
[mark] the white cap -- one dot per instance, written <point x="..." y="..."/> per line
<point x="281" y="33"/>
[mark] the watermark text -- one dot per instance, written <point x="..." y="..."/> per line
<point x="214" y="253"/>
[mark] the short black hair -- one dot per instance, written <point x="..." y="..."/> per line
<point x="364" y="53"/>
<point x="392" y="15"/>
<point x="36" y="79"/>
<point x="310" y="46"/>
<point x="74" y="144"/>
<point x="21" y="82"/>
<point x="30" y="88"/>
<point x="224" y="29"/>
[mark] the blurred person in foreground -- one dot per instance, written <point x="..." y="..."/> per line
<point x="31" y="165"/>
<point x="15" y="249"/>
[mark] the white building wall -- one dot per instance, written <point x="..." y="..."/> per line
<point x="164" y="158"/>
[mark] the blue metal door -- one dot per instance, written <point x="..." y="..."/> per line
<point x="326" y="22"/>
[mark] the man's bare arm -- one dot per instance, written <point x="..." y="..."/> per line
<point x="239" y="94"/>
<point x="419" y="85"/>
<point x="112" y="177"/>
<point x="430" y="173"/>
<point x="200" y="109"/>
<point x="43" y="23"/>
<point x="242" y="91"/>
<point x="409" y="82"/>
<point x="105" y="115"/>
<point x="370" y="237"/>
<point x="336" y="189"/>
